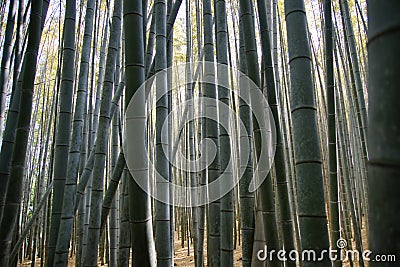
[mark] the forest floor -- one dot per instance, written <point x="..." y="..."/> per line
<point x="183" y="257"/>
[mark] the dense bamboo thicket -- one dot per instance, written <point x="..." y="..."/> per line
<point x="199" y="133"/>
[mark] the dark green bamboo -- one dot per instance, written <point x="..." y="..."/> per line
<point x="191" y="135"/>
<point x="124" y="232"/>
<point x="115" y="134"/>
<point x="139" y="201"/>
<point x="280" y="161"/>
<point x="246" y="197"/>
<point x="225" y="154"/>
<point x="384" y="128"/>
<point x="88" y="168"/>
<point x="355" y="62"/>
<point x="67" y="214"/>
<point x="91" y="254"/>
<point x="162" y="217"/>
<point x="63" y="125"/>
<point x="18" y="160"/>
<point x="213" y="223"/>
<point x="265" y="228"/>
<point x="170" y="23"/>
<point x="6" y="59"/>
<point x="307" y="155"/>
<point x="334" y="222"/>
<point x="12" y="118"/>
<point x="112" y="189"/>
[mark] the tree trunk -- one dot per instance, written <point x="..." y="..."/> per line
<point x="307" y="155"/>
<point x="139" y="201"/>
<point x="18" y="160"/>
<point x="384" y="128"/>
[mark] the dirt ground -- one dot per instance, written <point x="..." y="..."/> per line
<point x="181" y="257"/>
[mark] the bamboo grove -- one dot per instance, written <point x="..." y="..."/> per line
<point x="199" y="133"/>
